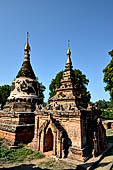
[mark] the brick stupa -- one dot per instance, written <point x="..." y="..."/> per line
<point x="17" y="117"/>
<point x="66" y="127"/>
<point x="70" y="92"/>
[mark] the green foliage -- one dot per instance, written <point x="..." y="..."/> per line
<point x="4" y="94"/>
<point x="91" y="103"/>
<point x="50" y="164"/>
<point x="20" y="145"/>
<point x="108" y="77"/>
<point x="102" y="104"/>
<point x="107" y="114"/>
<point x="1" y="139"/>
<point x="78" y="77"/>
<point x="55" y="83"/>
<point x="81" y="81"/>
<point x="18" y="155"/>
<point x="42" y="89"/>
<point x="36" y="155"/>
<point x="106" y="107"/>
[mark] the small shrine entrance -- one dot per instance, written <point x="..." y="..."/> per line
<point x="48" y="145"/>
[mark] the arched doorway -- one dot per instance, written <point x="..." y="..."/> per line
<point x="48" y="145"/>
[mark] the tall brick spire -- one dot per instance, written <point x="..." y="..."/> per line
<point x="68" y="72"/>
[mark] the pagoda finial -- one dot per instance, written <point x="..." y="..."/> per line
<point x="28" y="36"/>
<point x="68" y="51"/>
<point x="68" y="61"/>
<point x="27" y="47"/>
<point x="26" y="68"/>
<point x="68" y="43"/>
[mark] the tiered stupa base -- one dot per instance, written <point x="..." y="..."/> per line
<point x="17" y="127"/>
<point x="18" y="106"/>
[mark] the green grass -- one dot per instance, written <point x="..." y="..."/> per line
<point x="18" y="155"/>
<point x="109" y="134"/>
<point x="1" y="139"/>
<point x="49" y="164"/>
<point x="60" y="165"/>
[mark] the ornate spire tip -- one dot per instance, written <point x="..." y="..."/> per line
<point x="27" y="47"/>
<point x="27" y="36"/>
<point x="68" y="43"/>
<point x="68" y="51"/>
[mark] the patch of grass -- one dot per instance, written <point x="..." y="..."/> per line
<point x="35" y="155"/>
<point x="60" y="165"/>
<point x="18" y="155"/>
<point x="1" y="139"/>
<point x="109" y="132"/>
<point x="50" y="164"/>
<point x="20" y="145"/>
<point x="109" y="135"/>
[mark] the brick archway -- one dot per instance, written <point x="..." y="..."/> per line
<point x="48" y="144"/>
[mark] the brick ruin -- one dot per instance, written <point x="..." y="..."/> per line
<point x="66" y="127"/>
<point x="17" y="118"/>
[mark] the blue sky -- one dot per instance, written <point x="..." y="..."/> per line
<point x="88" y="24"/>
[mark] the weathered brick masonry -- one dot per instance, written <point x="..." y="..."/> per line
<point x="67" y="126"/>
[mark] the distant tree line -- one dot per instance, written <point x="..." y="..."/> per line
<point x="106" y="107"/>
<point x="4" y="94"/>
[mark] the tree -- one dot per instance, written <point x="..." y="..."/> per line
<point x="106" y="108"/>
<point x="42" y="89"/>
<point x="41" y="96"/>
<point x="4" y="94"/>
<point x="79" y="78"/>
<point x="102" y="104"/>
<point x="55" y="83"/>
<point x="108" y="76"/>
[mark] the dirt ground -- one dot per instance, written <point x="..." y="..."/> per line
<point x="39" y="164"/>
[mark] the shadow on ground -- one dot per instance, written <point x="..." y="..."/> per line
<point x="109" y="139"/>
<point x="33" y="167"/>
<point x="91" y="166"/>
<point x="24" y="167"/>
